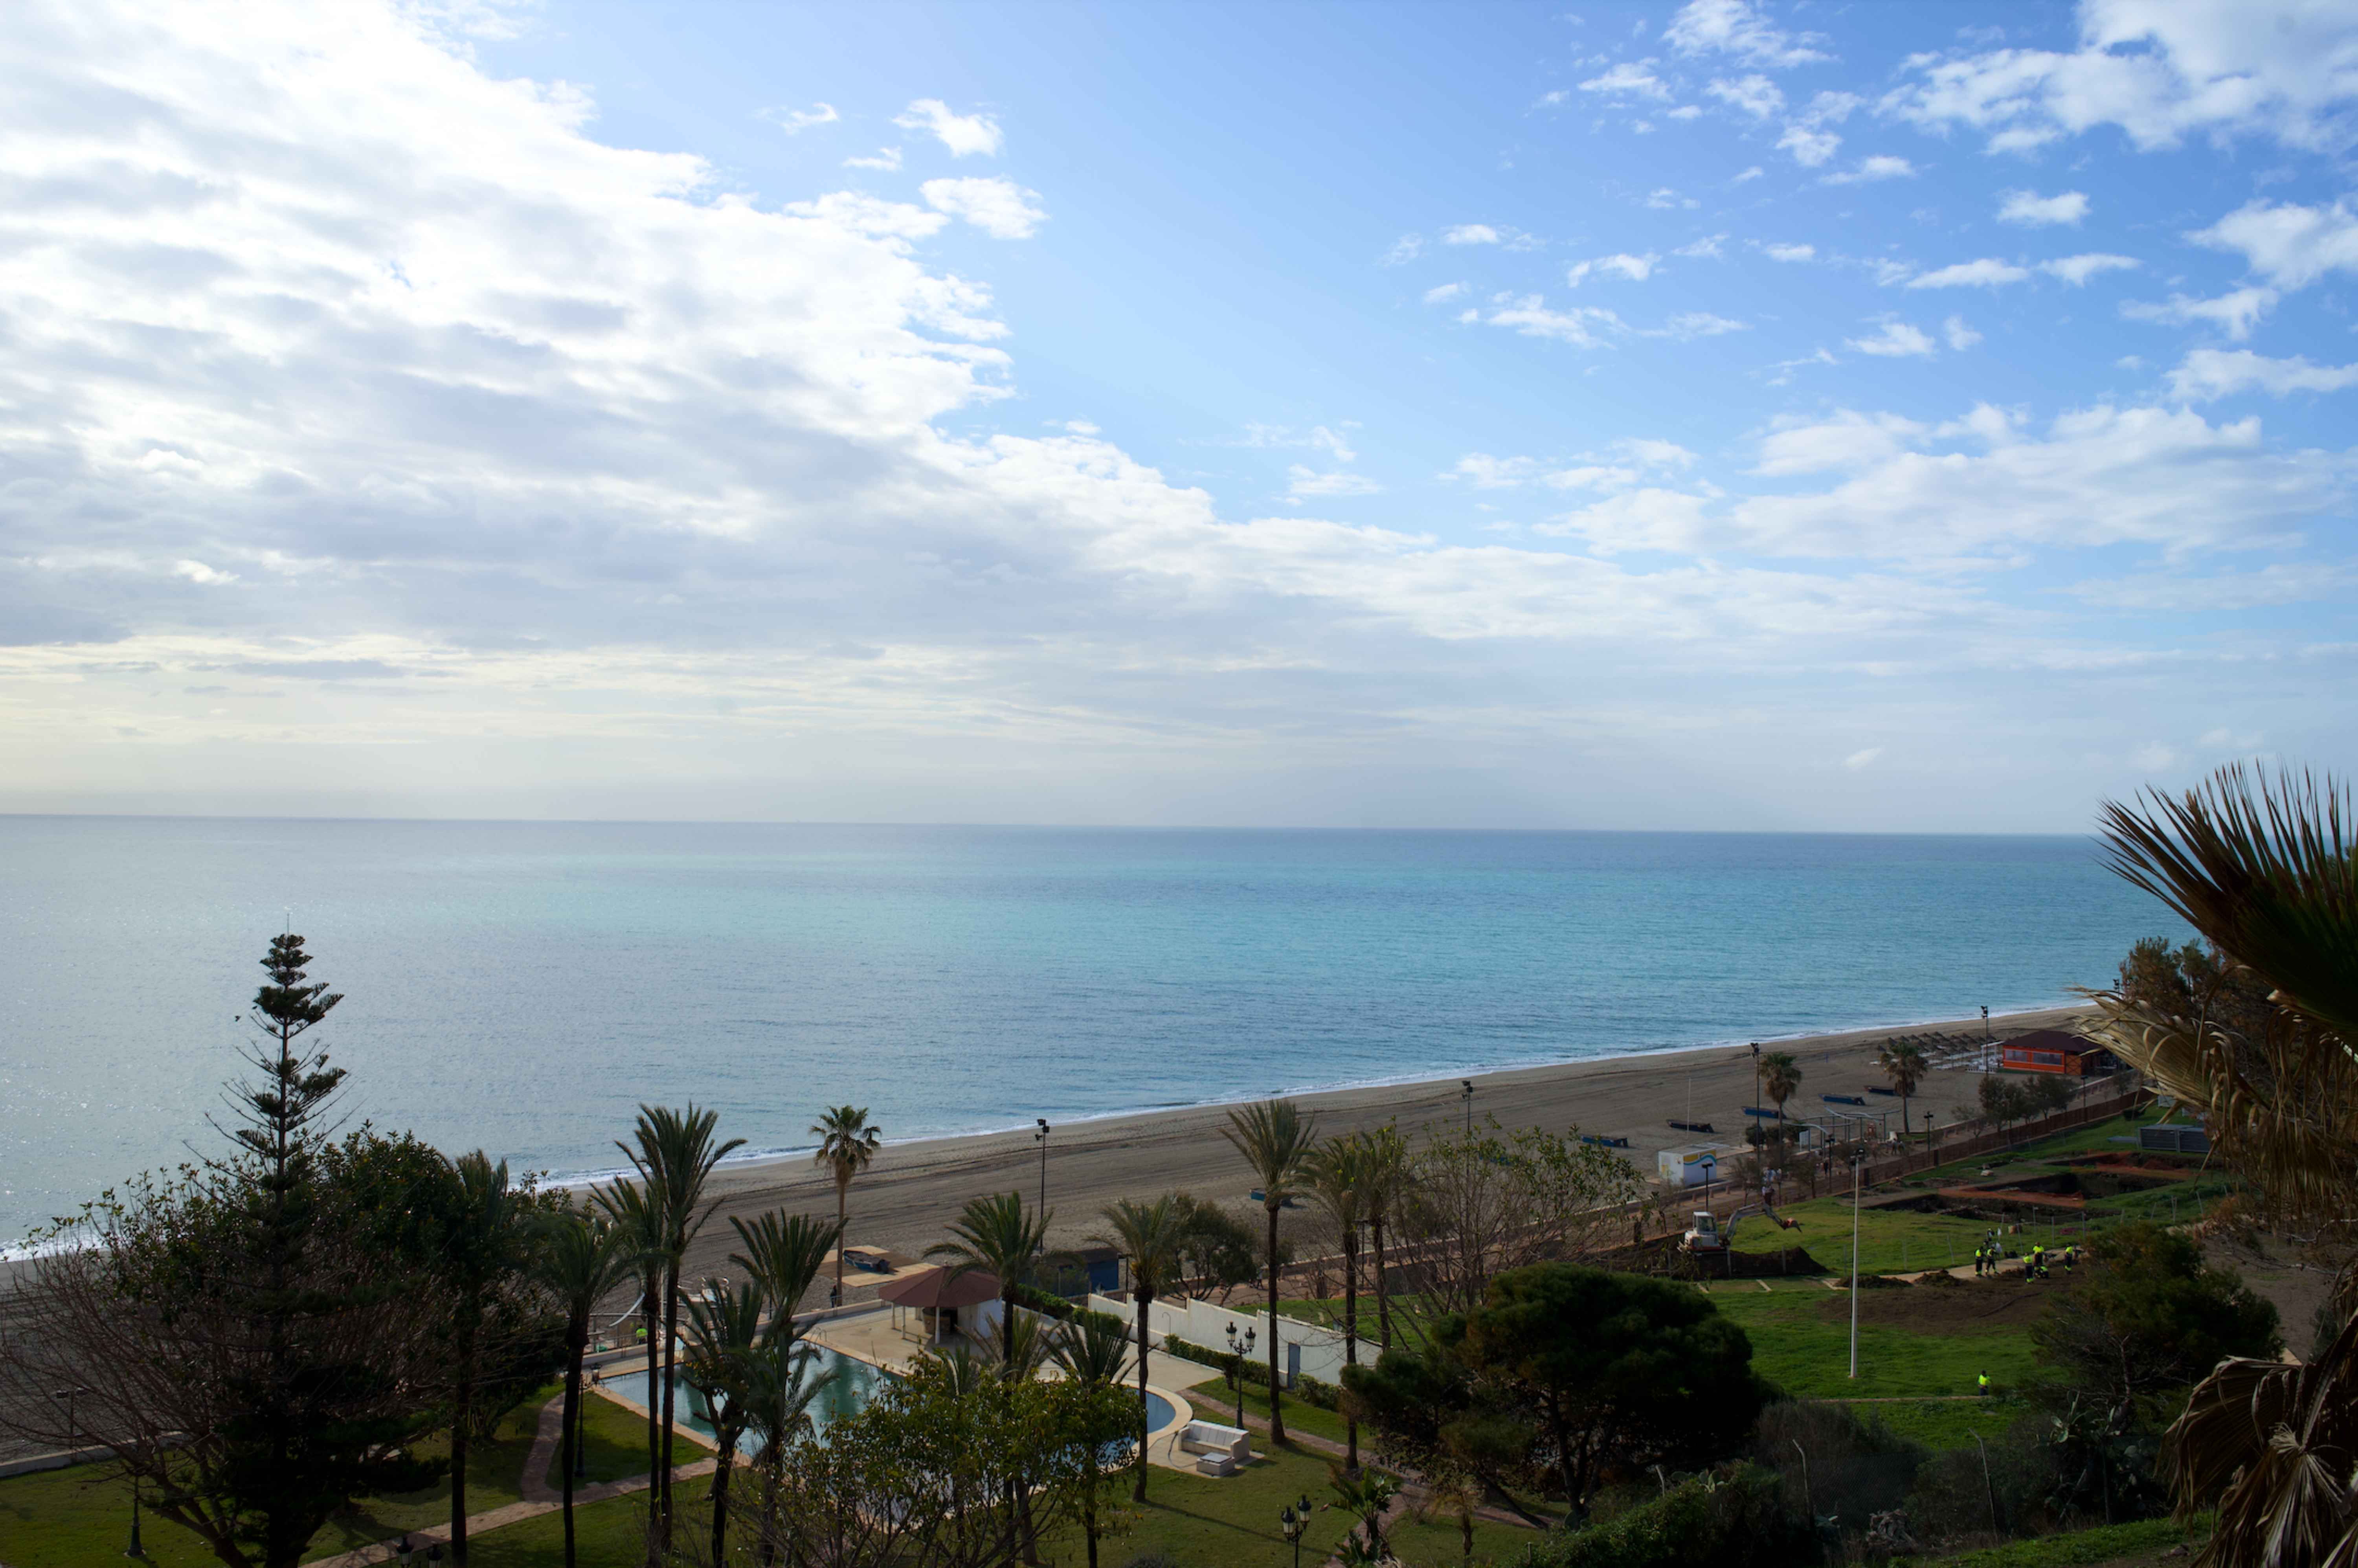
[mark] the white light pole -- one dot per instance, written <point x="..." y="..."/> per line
<point x="1857" y="1165"/>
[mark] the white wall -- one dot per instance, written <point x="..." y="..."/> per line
<point x="1207" y="1324"/>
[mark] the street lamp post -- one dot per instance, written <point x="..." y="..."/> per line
<point x="1857" y="1166"/>
<point x="67" y="1396"/>
<point x="1295" y="1517"/>
<point x="1465" y="1098"/>
<point x="1040" y="1138"/>
<point x="1931" y="1156"/>
<point x="1241" y="1349"/>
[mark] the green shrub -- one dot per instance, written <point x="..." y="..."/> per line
<point x="1733" y="1520"/>
<point x="1044" y="1303"/>
<point x="1105" y="1320"/>
<point x="1188" y="1349"/>
<point x="1312" y="1390"/>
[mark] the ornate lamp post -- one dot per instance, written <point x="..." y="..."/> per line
<point x="136" y="1552"/>
<point x="1242" y="1348"/>
<point x="1295" y="1517"/>
<point x="1466" y="1096"/>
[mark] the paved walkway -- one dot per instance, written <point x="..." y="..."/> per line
<point x="539" y="1496"/>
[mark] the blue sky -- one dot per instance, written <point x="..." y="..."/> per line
<point x="1724" y="415"/>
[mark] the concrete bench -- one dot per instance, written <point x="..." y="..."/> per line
<point x="1222" y="1447"/>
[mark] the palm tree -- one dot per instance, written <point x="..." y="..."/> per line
<point x="778" y="1390"/>
<point x="2265" y="870"/>
<point x="638" y="1235"/>
<point x="1086" y="1351"/>
<point x="583" y="1261"/>
<point x="994" y="1236"/>
<point x="1780" y="1077"/>
<point x="724" y="1326"/>
<point x="1274" y="1137"/>
<point x="1336" y="1171"/>
<point x="1150" y="1236"/>
<point x="1903" y="1064"/>
<point x="1386" y="1179"/>
<point x="846" y="1146"/>
<point x="484" y="1242"/>
<point x="785" y="1252"/>
<point x="675" y="1156"/>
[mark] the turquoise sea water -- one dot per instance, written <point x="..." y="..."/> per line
<point x="523" y="986"/>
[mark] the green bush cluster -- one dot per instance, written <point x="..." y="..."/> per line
<point x="1044" y="1303"/>
<point x="1226" y="1361"/>
<point x="1733" y="1518"/>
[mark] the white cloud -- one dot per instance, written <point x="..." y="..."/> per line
<point x="1708" y="248"/>
<point x="1733" y="27"/>
<point x="1684" y="112"/>
<point x="795" y="122"/>
<point x="887" y="158"/>
<point x="2291" y="245"/>
<point x="1809" y="148"/>
<point x="1636" y="269"/>
<point x="1529" y="315"/>
<point x="1405" y="249"/>
<point x="1898" y="340"/>
<point x="1442" y="292"/>
<point x="2098" y="476"/>
<point x="2159" y="70"/>
<point x="1830" y="108"/>
<point x="1882" y="166"/>
<point x="1756" y="95"/>
<point x="2077" y="270"/>
<point x="1847" y="440"/>
<point x="963" y="134"/>
<point x="999" y="207"/>
<point x="1554" y="100"/>
<point x="1625" y="464"/>
<point x="2233" y="313"/>
<point x="1863" y="758"/>
<point x="1304" y="482"/>
<point x="1791" y="253"/>
<point x="2030" y="208"/>
<point x="2222" y="373"/>
<point x="1690" y="324"/>
<point x="1959" y="334"/>
<point x="198" y="572"/>
<point x="1471" y="235"/>
<point x="1665" y="199"/>
<point x="1628" y="79"/>
<point x="1987" y="272"/>
<point x="1486" y="472"/>
<point x="1754" y="172"/>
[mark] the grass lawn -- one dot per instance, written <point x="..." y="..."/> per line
<point x="1912" y="1341"/>
<point x="1213" y="1401"/>
<point x="1901" y="1241"/>
<point x="73" y="1517"/>
<point x="1232" y="1522"/>
<point x="612" y="1534"/>
<point x="2144" y="1540"/>
<point x="1948" y="1423"/>
<point x="615" y="1445"/>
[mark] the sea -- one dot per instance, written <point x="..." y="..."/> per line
<point x="523" y="986"/>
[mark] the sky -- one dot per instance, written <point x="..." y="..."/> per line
<point x="1720" y="416"/>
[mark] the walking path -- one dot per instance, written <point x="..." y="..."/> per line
<point x="539" y="1496"/>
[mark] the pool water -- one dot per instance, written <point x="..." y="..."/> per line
<point x="855" y="1384"/>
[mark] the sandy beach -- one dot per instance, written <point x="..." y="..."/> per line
<point x="909" y="1194"/>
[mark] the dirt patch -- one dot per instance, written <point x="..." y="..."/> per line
<point x="2162" y="1167"/>
<point x="2004" y="1306"/>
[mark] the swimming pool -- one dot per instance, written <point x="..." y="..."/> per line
<point x="855" y="1384"/>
